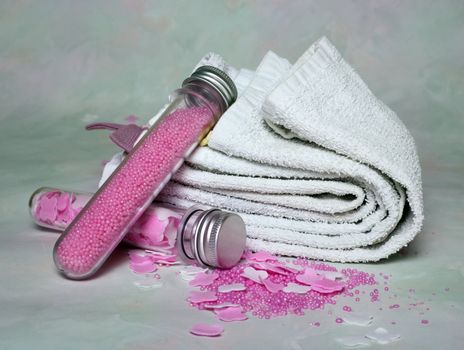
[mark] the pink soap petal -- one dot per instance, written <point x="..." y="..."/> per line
<point x="284" y="267"/>
<point x="271" y="286"/>
<point x="308" y="277"/>
<point x="318" y="282"/>
<point x="254" y="275"/>
<point x="64" y="200"/>
<point x="280" y="269"/>
<point x="304" y="279"/>
<point x="227" y="288"/>
<point x="332" y="275"/>
<point x="170" y="232"/>
<point x="138" y="257"/>
<point x="48" y="210"/>
<point x="260" y="256"/>
<point x="201" y="296"/>
<point x="188" y="273"/>
<point x="296" y="288"/>
<point x="203" y="279"/>
<point x="207" y="330"/>
<point x="137" y="227"/>
<point x="52" y="194"/>
<point x="153" y="228"/>
<point x="322" y="290"/>
<point x="165" y="259"/>
<point x="163" y="213"/>
<point x="310" y="272"/>
<point x="219" y="306"/>
<point x="327" y="285"/>
<point x="79" y="201"/>
<point x="143" y="267"/>
<point x="230" y="314"/>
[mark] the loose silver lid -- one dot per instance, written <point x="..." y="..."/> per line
<point x="219" y="80"/>
<point x="212" y="237"/>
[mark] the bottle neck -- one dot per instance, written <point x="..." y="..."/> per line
<point x="197" y="93"/>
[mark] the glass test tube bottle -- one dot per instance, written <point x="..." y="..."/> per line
<point x="205" y="236"/>
<point x="103" y="222"/>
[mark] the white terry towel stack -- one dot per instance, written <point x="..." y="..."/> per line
<point x="315" y="164"/>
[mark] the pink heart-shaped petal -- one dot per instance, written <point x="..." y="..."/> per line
<point x="47" y="211"/>
<point x="143" y="267"/>
<point x="203" y="279"/>
<point x="153" y="228"/>
<point x="271" y="286"/>
<point x="229" y="314"/>
<point x="276" y="268"/>
<point x="138" y="257"/>
<point x="63" y="202"/>
<point x="254" y="275"/>
<point x="201" y="296"/>
<point x="260" y="256"/>
<point x="207" y="330"/>
<point x="327" y="285"/>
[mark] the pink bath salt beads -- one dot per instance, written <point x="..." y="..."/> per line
<point x="270" y="292"/>
<point x="107" y="217"/>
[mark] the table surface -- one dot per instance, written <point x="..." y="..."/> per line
<point x="64" y="64"/>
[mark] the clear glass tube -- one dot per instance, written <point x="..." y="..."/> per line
<point x="155" y="230"/>
<point x="104" y="221"/>
<point x="199" y="235"/>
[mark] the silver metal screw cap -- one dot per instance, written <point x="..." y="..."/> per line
<point x="218" y="79"/>
<point x="211" y="237"/>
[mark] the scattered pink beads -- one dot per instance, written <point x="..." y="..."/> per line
<point x="264" y="302"/>
<point x="103" y="223"/>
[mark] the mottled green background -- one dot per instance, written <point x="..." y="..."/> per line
<point x="66" y="63"/>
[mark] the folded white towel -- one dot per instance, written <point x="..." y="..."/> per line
<point x="316" y="165"/>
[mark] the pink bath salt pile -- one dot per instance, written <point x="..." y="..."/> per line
<point x="100" y="226"/>
<point x="56" y="208"/>
<point x="274" y="288"/>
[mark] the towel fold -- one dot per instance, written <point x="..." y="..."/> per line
<point x="315" y="164"/>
